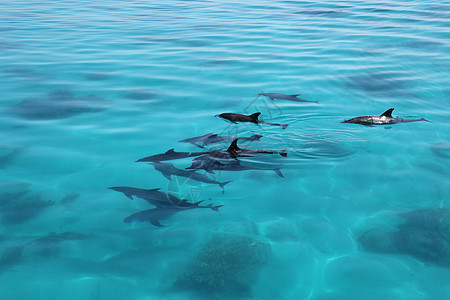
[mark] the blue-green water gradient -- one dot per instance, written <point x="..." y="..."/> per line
<point x="88" y="88"/>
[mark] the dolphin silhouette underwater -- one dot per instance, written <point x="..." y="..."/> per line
<point x="167" y="170"/>
<point x="383" y="119"/>
<point x="212" y="138"/>
<point x="211" y="164"/>
<point x="152" y="196"/>
<point x="170" y="154"/>
<point x="294" y="97"/>
<point x="154" y="215"/>
<point x="253" y="118"/>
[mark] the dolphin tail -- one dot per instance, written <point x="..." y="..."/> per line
<point x="222" y="184"/>
<point x="278" y="171"/>
<point x="214" y="208"/>
<point x="283" y="153"/>
<point x="284" y="126"/>
<point x="422" y="119"/>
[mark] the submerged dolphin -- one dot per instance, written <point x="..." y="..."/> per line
<point x="235" y="151"/>
<point x="294" y="97"/>
<point x="253" y="118"/>
<point x="152" y="196"/>
<point x="168" y="170"/>
<point x="384" y="119"/>
<point x="212" y="138"/>
<point x="211" y="165"/>
<point x="154" y="215"/>
<point x="170" y="155"/>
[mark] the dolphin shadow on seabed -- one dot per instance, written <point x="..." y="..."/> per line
<point x="22" y="205"/>
<point x="423" y="234"/>
<point x="294" y="97"/>
<point x="59" y="104"/>
<point x="8" y="154"/>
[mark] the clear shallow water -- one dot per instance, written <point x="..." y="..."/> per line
<point x="87" y="89"/>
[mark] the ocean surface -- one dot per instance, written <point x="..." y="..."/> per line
<point x="88" y="88"/>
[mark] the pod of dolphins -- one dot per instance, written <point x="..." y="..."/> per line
<point x="166" y="205"/>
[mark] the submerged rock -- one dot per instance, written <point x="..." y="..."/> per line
<point x="423" y="234"/>
<point x="225" y="266"/>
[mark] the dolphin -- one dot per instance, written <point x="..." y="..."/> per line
<point x="253" y="118"/>
<point x="170" y="155"/>
<point x="212" y="138"/>
<point x="152" y="196"/>
<point x="154" y="215"/>
<point x="167" y="170"/>
<point x="384" y="119"/>
<point x="211" y="165"/>
<point x="294" y="97"/>
<point x="235" y="151"/>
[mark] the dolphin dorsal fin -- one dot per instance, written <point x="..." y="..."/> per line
<point x="255" y="116"/>
<point x="388" y="113"/>
<point x="233" y="147"/>
<point x="170" y="151"/>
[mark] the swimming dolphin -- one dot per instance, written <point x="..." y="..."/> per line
<point x="212" y="138"/>
<point x="170" y="155"/>
<point x="167" y="170"/>
<point x="216" y="157"/>
<point x="235" y="151"/>
<point x="154" y="215"/>
<point x="384" y="119"/>
<point x="211" y="165"/>
<point x="152" y="196"/>
<point x="294" y="97"/>
<point x="253" y="118"/>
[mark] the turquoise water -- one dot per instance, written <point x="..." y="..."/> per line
<point x="88" y="89"/>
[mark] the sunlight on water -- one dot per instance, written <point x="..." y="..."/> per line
<point x="334" y="211"/>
